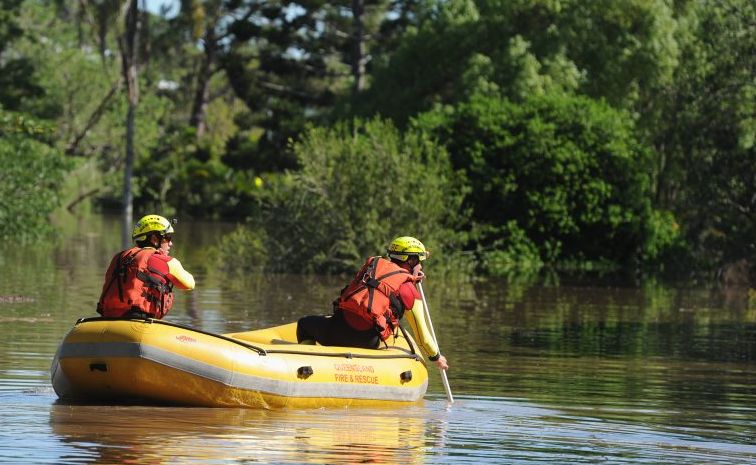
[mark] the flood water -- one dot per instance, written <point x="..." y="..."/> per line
<point x="542" y="373"/>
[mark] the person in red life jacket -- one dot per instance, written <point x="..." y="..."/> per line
<point x="139" y="282"/>
<point x="368" y="310"/>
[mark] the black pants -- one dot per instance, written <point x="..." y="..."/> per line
<point x="136" y="313"/>
<point x="334" y="331"/>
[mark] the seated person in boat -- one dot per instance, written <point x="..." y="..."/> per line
<point x="139" y="282"/>
<point x="369" y="308"/>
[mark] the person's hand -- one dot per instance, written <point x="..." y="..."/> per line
<point x="441" y="363"/>
<point x="417" y="273"/>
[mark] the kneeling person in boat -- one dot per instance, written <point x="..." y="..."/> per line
<point x="140" y="280"/>
<point x="369" y="308"/>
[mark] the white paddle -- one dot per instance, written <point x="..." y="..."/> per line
<point x="433" y="333"/>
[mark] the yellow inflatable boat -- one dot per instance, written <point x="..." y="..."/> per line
<point x="132" y="360"/>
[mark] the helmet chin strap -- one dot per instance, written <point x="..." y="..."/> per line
<point x="152" y="237"/>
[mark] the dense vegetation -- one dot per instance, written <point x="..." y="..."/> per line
<point x="509" y="135"/>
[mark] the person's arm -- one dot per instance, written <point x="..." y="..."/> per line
<point x="417" y="321"/>
<point x="180" y="277"/>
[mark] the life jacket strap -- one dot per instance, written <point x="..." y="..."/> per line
<point x="156" y="300"/>
<point x="120" y="270"/>
<point x="153" y="282"/>
<point x="396" y="306"/>
<point x="369" y="280"/>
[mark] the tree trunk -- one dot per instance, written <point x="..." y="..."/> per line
<point x="102" y="31"/>
<point x="358" y="45"/>
<point x="202" y="92"/>
<point x="128" y="170"/>
<point x="129" y="45"/>
<point x="81" y="14"/>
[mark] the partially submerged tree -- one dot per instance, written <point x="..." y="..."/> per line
<point x="128" y="42"/>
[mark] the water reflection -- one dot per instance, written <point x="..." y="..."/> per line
<point x="143" y="435"/>
<point x="541" y="373"/>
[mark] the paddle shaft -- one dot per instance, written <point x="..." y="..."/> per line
<point x="445" y="380"/>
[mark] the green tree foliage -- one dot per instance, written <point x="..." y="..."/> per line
<point x="298" y="64"/>
<point x="613" y="49"/>
<point x="184" y="175"/>
<point x="577" y="125"/>
<point x="626" y="49"/>
<point x="559" y="174"/>
<point x="17" y="75"/>
<point x="282" y="67"/>
<point x="30" y="179"/>
<point x="606" y="49"/>
<point x="706" y="132"/>
<point x="242" y="251"/>
<point x="187" y="49"/>
<point x="360" y="185"/>
<point x="31" y="169"/>
<point x="81" y="77"/>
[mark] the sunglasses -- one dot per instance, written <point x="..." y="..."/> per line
<point x="167" y="238"/>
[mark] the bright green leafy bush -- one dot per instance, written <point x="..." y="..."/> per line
<point x="559" y="173"/>
<point x="360" y="185"/>
<point x="31" y="174"/>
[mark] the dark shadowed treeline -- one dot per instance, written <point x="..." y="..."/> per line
<point x="512" y="136"/>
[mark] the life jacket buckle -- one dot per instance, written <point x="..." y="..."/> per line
<point x="370" y="282"/>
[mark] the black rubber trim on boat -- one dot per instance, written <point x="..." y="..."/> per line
<point x="259" y="350"/>
<point x="343" y="354"/>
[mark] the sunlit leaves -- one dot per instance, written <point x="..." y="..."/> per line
<point x="566" y="170"/>
<point x="30" y="179"/>
<point x="360" y="185"/>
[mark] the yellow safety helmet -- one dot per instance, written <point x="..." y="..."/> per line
<point x="402" y="247"/>
<point x="151" y="224"/>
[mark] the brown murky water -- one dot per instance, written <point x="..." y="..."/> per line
<point x="541" y="374"/>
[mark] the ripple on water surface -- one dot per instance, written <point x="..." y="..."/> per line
<point x="476" y="429"/>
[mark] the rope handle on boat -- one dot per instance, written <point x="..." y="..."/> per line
<point x="260" y="350"/>
<point x="345" y="354"/>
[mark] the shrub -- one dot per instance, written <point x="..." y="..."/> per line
<point x="359" y="185"/>
<point x="30" y="179"/>
<point x="241" y="251"/>
<point x="560" y="174"/>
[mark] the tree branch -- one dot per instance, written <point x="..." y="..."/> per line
<point x="93" y="118"/>
<point x="80" y="198"/>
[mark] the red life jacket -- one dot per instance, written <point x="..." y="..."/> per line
<point x="132" y="283"/>
<point x="372" y="299"/>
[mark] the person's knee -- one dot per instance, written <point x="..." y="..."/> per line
<point x="305" y="329"/>
<point x="300" y="329"/>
